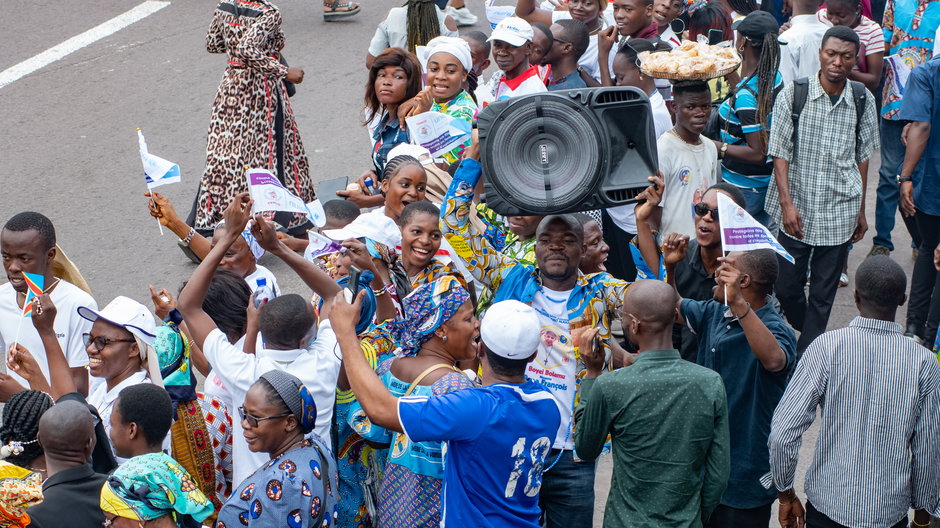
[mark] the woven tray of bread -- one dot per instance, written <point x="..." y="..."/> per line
<point x="691" y="61"/>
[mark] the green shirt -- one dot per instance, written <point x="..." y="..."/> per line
<point x="668" y="419"/>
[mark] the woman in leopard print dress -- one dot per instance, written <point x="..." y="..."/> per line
<point x="252" y="124"/>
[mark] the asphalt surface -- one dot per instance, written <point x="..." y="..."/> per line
<point x="69" y="149"/>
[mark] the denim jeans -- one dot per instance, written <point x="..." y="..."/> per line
<point x="754" y="198"/>
<point x="886" y="207"/>
<point x="567" y="494"/>
<point x="923" y="310"/>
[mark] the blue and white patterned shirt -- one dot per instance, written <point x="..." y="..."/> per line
<point x="879" y="432"/>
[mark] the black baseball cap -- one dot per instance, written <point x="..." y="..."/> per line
<point x="756" y="24"/>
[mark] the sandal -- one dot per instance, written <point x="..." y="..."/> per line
<point x="337" y="9"/>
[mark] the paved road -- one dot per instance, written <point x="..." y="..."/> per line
<point x="69" y="149"/>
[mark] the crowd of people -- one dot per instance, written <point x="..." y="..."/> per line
<point x="452" y="366"/>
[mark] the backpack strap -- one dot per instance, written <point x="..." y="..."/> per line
<point x="860" y="96"/>
<point x="800" y="93"/>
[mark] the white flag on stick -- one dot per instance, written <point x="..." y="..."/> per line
<point x="740" y="232"/>
<point x="437" y="132"/>
<point x="269" y="195"/>
<point x="157" y="171"/>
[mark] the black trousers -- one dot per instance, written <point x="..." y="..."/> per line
<point x="728" y="517"/>
<point x="923" y="309"/>
<point x="620" y="260"/>
<point x="809" y="315"/>
<point x="815" y="519"/>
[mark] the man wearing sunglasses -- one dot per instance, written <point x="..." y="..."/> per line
<point x="570" y="41"/>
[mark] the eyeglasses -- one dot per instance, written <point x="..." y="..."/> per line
<point x="701" y="209"/>
<point x="561" y="41"/>
<point x="253" y="421"/>
<point x="101" y="342"/>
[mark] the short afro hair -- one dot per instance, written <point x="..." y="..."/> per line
<point x="148" y="406"/>
<point x="285" y="320"/>
<point x="763" y="267"/>
<point x="735" y="193"/>
<point x="680" y="89"/>
<point x="842" y="33"/>
<point x="881" y="281"/>
<point x="566" y="218"/>
<point x="29" y="220"/>
<point x="415" y="208"/>
<point x="577" y="33"/>
<point x="341" y="210"/>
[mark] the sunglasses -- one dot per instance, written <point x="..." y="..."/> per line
<point x="253" y="421"/>
<point x="101" y="342"/>
<point x="701" y="209"/>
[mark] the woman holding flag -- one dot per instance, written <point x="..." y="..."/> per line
<point x="252" y="123"/>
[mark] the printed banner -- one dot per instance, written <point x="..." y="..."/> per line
<point x="740" y="232"/>
<point x="269" y="195"/>
<point x="437" y="132"/>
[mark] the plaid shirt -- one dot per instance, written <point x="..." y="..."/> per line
<point x="825" y="183"/>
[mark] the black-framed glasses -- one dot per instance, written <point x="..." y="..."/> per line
<point x="561" y="41"/>
<point x="701" y="209"/>
<point x="101" y="342"/>
<point x="253" y="421"/>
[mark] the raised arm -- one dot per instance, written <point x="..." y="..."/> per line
<point x="529" y="11"/>
<point x="379" y="404"/>
<point x="190" y="300"/>
<point x="163" y="211"/>
<point x="647" y="204"/>
<point x="60" y="374"/>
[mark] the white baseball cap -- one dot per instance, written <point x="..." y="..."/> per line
<point x="129" y="315"/>
<point x="374" y="225"/>
<point x="407" y="149"/>
<point x="511" y="329"/>
<point x="513" y="31"/>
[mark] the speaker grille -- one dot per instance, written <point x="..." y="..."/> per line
<point x="546" y="152"/>
<point x="609" y="97"/>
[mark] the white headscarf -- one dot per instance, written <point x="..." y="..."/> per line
<point x="456" y="46"/>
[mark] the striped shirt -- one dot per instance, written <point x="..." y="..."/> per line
<point x="738" y="120"/>
<point x="880" y="425"/>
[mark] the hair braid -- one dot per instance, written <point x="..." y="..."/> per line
<point x="423" y="24"/>
<point x="396" y="164"/>
<point x="766" y="73"/>
<point x="21" y="424"/>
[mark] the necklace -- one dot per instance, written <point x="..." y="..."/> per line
<point x="674" y="133"/>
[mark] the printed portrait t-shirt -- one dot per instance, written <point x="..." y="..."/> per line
<point x="554" y="366"/>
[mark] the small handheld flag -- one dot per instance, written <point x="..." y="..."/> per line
<point x="157" y="171"/>
<point x="34" y="285"/>
<point x="269" y="194"/>
<point x="740" y="232"/>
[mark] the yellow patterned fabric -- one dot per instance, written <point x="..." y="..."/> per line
<point x="20" y="489"/>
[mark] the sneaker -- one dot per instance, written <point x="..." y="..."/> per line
<point x="462" y="16"/>
<point x="879" y="250"/>
<point x="843" y="280"/>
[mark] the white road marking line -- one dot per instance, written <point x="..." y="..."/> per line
<point x="78" y="42"/>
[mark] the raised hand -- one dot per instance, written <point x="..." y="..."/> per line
<point x="675" y="248"/>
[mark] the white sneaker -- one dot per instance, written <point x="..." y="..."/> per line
<point x="462" y="16"/>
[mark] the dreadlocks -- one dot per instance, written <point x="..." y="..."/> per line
<point x="423" y="24"/>
<point x="766" y="74"/>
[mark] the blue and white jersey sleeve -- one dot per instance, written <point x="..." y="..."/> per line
<point x="458" y="415"/>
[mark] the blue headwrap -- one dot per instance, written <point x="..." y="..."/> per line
<point x="295" y="396"/>
<point x="427" y="308"/>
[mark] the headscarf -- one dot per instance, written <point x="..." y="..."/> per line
<point x="456" y="46"/>
<point x="20" y="489"/>
<point x="150" y="486"/>
<point x="368" y="302"/>
<point x="172" y="349"/>
<point x="426" y="309"/>
<point x="295" y="396"/>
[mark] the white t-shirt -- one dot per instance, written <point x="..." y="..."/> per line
<point x="622" y="215"/>
<point x="688" y="170"/>
<point x="216" y="388"/>
<point x="69" y="326"/>
<point x="317" y="367"/>
<point x="555" y="366"/>
<point x="262" y="272"/>
<point x="103" y="400"/>
<point x="393" y="31"/>
<point x="800" y="57"/>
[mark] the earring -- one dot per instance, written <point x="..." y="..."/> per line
<point x="444" y="339"/>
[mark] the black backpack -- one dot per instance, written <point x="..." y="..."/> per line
<point x="800" y="92"/>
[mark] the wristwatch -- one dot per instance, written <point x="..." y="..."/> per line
<point x="902" y="179"/>
<point x="722" y="150"/>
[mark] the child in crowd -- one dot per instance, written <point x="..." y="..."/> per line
<point x="872" y="49"/>
<point x="688" y="160"/>
<point x="569" y="43"/>
<point x="512" y="46"/>
<point x="664" y="12"/>
<point x="592" y="12"/>
<point x="634" y="20"/>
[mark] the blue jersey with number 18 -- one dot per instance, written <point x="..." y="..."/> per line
<point x="498" y="440"/>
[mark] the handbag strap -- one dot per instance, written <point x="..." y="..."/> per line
<point x="424" y="374"/>
<point x="324" y="470"/>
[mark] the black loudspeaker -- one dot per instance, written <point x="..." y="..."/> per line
<point x="567" y="151"/>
